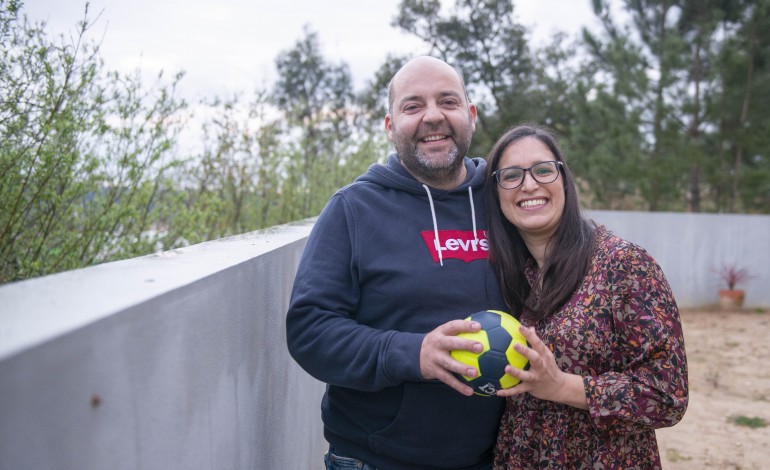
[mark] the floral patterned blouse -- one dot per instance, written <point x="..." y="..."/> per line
<point x="621" y="332"/>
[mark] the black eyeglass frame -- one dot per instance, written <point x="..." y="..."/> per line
<point x="559" y="167"/>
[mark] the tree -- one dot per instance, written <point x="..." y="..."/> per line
<point x="687" y="69"/>
<point x="665" y="112"/>
<point x="317" y="100"/>
<point x="640" y="60"/>
<point x="84" y="155"/>
<point x="233" y="186"/>
<point x="740" y="176"/>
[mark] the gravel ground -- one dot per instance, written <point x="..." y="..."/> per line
<point x="728" y="355"/>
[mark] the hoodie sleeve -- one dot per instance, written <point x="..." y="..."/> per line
<point x="322" y="333"/>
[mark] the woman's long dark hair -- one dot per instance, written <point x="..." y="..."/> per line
<point x="568" y="255"/>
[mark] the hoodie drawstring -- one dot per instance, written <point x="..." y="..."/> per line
<point x="473" y="213"/>
<point x="436" y="240"/>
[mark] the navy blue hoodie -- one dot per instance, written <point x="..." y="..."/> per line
<point x="387" y="261"/>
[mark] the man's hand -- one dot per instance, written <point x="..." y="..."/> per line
<point x="437" y="363"/>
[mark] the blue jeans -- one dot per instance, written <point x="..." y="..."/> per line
<point x="334" y="461"/>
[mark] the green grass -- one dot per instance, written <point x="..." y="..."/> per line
<point x="674" y="455"/>
<point x="753" y="423"/>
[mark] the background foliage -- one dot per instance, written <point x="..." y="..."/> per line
<point x="668" y="111"/>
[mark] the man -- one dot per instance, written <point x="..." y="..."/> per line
<point x="394" y="263"/>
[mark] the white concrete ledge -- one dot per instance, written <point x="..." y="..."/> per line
<point x="172" y="361"/>
<point x="37" y="310"/>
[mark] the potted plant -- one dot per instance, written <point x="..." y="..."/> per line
<point x="732" y="298"/>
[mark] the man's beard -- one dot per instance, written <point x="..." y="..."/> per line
<point x="436" y="170"/>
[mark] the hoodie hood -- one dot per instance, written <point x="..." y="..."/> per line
<point x="393" y="175"/>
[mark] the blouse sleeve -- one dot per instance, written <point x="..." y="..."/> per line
<point x="650" y="390"/>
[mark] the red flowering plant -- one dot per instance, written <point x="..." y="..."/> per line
<point x="732" y="275"/>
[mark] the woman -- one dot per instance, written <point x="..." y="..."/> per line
<point x="607" y="362"/>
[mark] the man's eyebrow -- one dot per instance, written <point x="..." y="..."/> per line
<point x="442" y="94"/>
<point x="410" y="98"/>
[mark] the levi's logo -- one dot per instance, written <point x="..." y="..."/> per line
<point x="457" y="244"/>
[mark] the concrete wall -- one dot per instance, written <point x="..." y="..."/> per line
<point x="172" y="361"/>
<point x="690" y="246"/>
<point x="178" y="360"/>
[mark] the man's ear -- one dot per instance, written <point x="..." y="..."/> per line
<point x="389" y="127"/>
<point x="474" y="112"/>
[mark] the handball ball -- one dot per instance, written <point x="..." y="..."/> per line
<point x="499" y="332"/>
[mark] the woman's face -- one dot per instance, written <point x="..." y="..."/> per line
<point x="534" y="208"/>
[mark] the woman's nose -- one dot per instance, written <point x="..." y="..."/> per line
<point x="528" y="183"/>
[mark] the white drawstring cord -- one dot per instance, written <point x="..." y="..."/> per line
<point x="473" y="213"/>
<point x="436" y="240"/>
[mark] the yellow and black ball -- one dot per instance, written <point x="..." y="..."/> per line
<point x="499" y="332"/>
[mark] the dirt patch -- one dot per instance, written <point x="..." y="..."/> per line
<point x="728" y="355"/>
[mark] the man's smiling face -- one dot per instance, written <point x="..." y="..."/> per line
<point x="431" y="122"/>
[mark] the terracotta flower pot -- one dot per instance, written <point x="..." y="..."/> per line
<point x="731" y="299"/>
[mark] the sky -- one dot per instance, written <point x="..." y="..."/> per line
<point x="229" y="46"/>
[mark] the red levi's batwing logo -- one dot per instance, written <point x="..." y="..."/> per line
<point x="457" y="244"/>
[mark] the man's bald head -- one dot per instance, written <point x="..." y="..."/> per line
<point x="414" y="66"/>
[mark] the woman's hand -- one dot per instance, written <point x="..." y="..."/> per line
<point x="544" y="379"/>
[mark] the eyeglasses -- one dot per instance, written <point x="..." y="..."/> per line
<point x="513" y="176"/>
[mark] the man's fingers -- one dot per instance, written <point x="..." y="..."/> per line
<point x="445" y="338"/>
<point x="453" y="382"/>
<point x="455" y="343"/>
<point x="454" y="327"/>
<point x="436" y="361"/>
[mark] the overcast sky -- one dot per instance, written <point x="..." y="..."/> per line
<point x="230" y="46"/>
